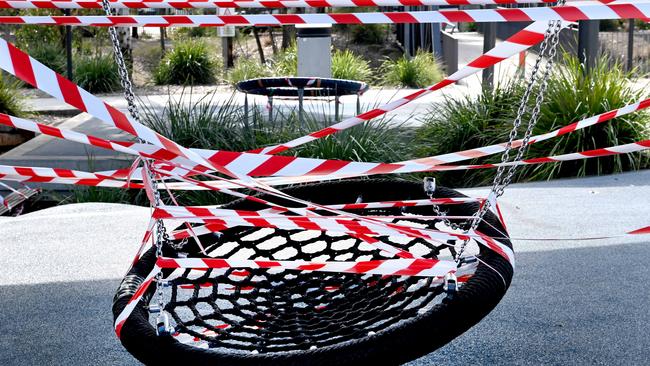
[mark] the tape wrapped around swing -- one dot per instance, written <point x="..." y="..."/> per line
<point x="271" y="317"/>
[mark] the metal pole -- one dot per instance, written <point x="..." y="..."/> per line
<point x="436" y="39"/>
<point x="407" y="40"/>
<point x="630" y="45"/>
<point x="246" y="107"/>
<point x="336" y="108"/>
<point x="489" y="41"/>
<point x="301" y="94"/>
<point x="358" y="104"/>
<point x="588" y="42"/>
<point x="270" y="108"/>
<point x="68" y="47"/>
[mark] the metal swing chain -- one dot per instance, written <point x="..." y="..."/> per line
<point x="500" y="182"/>
<point x="161" y="231"/>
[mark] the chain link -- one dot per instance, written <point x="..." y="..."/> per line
<point x="500" y="182"/>
<point x="162" y="238"/>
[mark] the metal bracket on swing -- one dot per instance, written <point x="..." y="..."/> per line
<point x="430" y="186"/>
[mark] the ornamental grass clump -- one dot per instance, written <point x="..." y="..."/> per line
<point x="468" y="122"/>
<point x="247" y="68"/>
<point x="346" y="65"/>
<point x="207" y="123"/>
<point x="417" y="72"/>
<point x="189" y="62"/>
<point x="10" y="99"/>
<point x="97" y="74"/>
<point x="573" y="93"/>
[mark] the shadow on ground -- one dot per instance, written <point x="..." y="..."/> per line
<point x="578" y="306"/>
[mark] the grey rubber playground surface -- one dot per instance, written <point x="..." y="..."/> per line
<point x="571" y="302"/>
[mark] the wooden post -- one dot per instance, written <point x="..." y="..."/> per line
<point x="260" y="49"/>
<point x="226" y="52"/>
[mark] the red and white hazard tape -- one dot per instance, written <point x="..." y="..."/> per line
<point x="390" y="267"/>
<point x="36" y="172"/>
<point x="521" y="41"/>
<point x="31" y="71"/>
<point x="108" y="183"/>
<point x="268" y="4"/>
<point x="493" y="149"/>
<point x="570" y="13"/>
<point x="69" y="135"/>
<point x="325" y="223"/>
<point x="596" y="153"/>
<point x="302" y="167"/>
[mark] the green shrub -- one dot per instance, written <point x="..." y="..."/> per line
<point x="347" y="65"/>
<point x="10" y="101"/>
<point x="211" y="124"/>
<point x="420" y="71"/>
<point x="188" y="63"/>
<point x="97" y="74"/>
<point x="641" y="24"/>
<point x="29" y="37"/>
<point x="465" y="123"/>
<point x="610" y="25"/>
<point x="286" y="63"/>
<point x="574" y="94"/>
<point x="50" y="55"/>
<point x="247" y="68"/>
<point x="368" y="33"/>
<point x="183" y="33"/>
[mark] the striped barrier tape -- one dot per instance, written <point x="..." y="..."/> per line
<point x="329" y="224"/>
<point x="533" y="34"/>
<point x="436" y="269"/>
<point x="569" y="13"/>
<point x="31" y="71"/>
<point x="24" y="67"/>
<point x="107" y="183"/>
<point x="388" y="267"/>
<point x="267" y="4"/>
<point x="521" y="41"/>
<point x="292" y="166"/>
<point x="49" y="173"/>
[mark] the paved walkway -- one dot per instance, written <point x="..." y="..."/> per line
<point x="571" y="302"/>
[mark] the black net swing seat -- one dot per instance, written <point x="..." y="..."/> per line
<point x="247" y="316"/>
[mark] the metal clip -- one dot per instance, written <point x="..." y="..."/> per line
<point x="163" y="327"/>
<point x="430" y="186"/>
<point x="468" y="260"/>
<point x="154" y="309"/>
<point x="451" y="284"/>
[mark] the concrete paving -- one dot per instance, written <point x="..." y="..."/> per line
<point x="47" y="151"/>
<point x="571" y="302"/>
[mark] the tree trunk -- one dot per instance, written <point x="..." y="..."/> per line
<point x="275" y="46"/>
<point x="260" y="49"/>
<point x="288" y="33"/>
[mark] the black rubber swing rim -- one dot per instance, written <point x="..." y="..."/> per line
<point x="313" y="87"/>
<point x="406" y="341"/>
